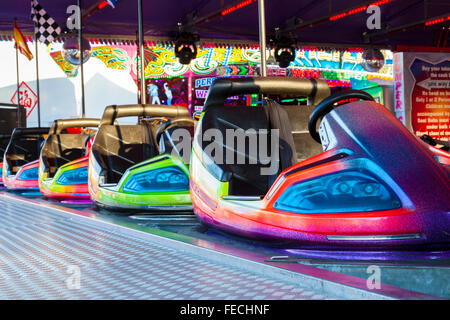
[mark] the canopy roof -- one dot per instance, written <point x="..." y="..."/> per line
<point x="406" y="19"/>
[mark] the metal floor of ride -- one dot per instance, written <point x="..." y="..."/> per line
<point x="158" y="257"/>
<point x="40" y="249"/>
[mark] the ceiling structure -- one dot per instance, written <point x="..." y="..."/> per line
<point x="403" y="22"/>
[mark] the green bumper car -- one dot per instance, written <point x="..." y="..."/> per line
<point x="142" y="167"/>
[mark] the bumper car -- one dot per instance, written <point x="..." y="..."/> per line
<point x="21" y="158"/>
<point x="141" y="167"/>
<point x="63" y="165"/>
<point x="4" y="140"/>
<point x="372" y="184"/>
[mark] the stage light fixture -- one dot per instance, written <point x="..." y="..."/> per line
<point x="186" y="47"/>
<point x="285" y="50"/>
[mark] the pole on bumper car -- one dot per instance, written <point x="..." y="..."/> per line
<point x="37" y="80"/>
<point x="141" y="53"/>
<point x="80" y="46"/>
<point x="262" y="36"/>
<point x="138" y="95"/>
<point x="19" y="123"/>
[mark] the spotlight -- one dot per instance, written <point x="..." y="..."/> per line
<point x="286" y="56"/>
<point x="185" y="53"/>
<point x="372" y="60"/>
<point x="71" y="50"/>
<point x="186" y="47"/>
<point x="284" y="50"/>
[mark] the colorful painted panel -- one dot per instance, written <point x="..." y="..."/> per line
<point x="161" y="62"/>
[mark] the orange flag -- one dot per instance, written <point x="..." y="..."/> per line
<point x="21" y="44"/>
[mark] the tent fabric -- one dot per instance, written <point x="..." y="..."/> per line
<point x="161" y="18"/>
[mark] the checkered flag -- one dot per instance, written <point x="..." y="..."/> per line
<point x="46" y="29"/>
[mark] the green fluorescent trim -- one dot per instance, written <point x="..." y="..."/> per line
<point x="117" y="197"/>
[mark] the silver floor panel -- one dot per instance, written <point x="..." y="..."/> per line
<point x="40" y="248"/>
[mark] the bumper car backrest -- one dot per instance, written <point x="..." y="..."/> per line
<point x="272" y="116"/>
<point x="237" y="117"/>
<point x="23" y="150"/>
<point x="61" y="149"/>
<point x="305" y="145"/>
<point x="149" y="144"/>
<point x="279" y="119"/>
<point x="119" y="147"/>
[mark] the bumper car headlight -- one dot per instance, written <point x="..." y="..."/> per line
<point x="158" y="180"/>
<point x="350" y="191"/>
<point x="29" y="174"/>
<point x="76" y="176"/>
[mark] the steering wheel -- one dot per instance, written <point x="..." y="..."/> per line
<point x="170" y="123"/>
<point x="328" y="104"/>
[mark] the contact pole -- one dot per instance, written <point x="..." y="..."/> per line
<point x="141" y="52"/>
<point x="19" y="122"/>
<point x="37" y="80"/>
<point x="138" y="96"/>
<point x="262" y="36"/>
<point x="80" y="45"/>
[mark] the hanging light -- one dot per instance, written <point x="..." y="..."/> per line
<point x="284" y="56"/>
<point x="71" y="50"/>
<point x="372" y="60"/>
<point x="285" y="49"/>
<point x="186" y="47"/>
<point x="185" y="53"/>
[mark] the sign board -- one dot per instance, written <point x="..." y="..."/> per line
<point x="422" y="92"/>
<point x="430" y="108"/>
<point x="28" y="98"/>
<point x="399" y="88"/>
